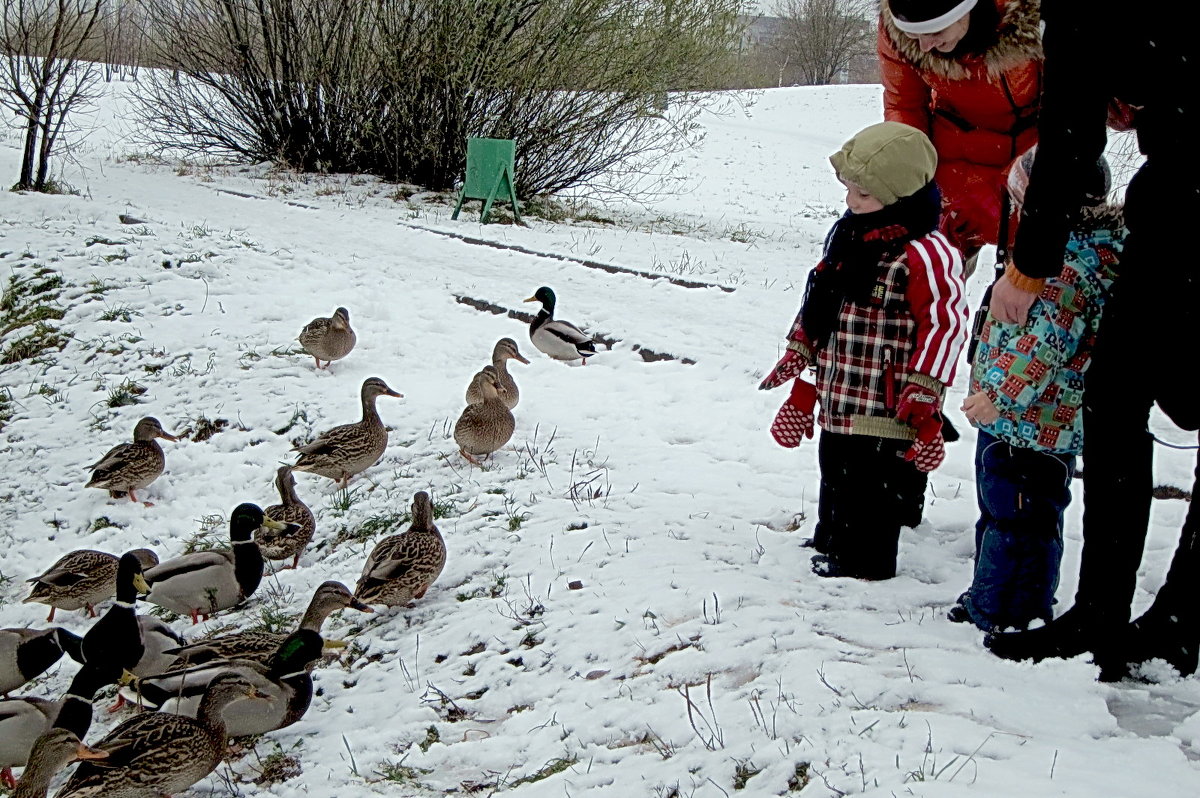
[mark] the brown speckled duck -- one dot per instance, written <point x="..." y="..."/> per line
<point x="349" y="449"/>
<point x="129" y="467"/>
<point x="260" y="645"/>
<point x="504" y="351"/>
<point x="289" y="542"/>
<point x="484" y="427"/>
<point x="81" y="579"/>
<point x="160" y="754"/>
<point x="51" y="752"/>
<point x="328" y="339"/>
<point x="402" y="567"/>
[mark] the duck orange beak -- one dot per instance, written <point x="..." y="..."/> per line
<point x="87" y="752"/>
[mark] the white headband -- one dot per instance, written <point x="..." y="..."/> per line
<point x="937" y="23"/>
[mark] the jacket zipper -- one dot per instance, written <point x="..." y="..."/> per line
<point x="889" y="377"/>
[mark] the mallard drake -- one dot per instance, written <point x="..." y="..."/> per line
<point x="160" y="754"/>
<point x="561" y="340"/>
<point x="328" y="339"/>
<point x="115" y="641"/>
<point x="402" y="567"/>
<point x="284" y="685"/>
<point x="81" y="579"/>
<point x="129" y="467"/>
<point x="485" y="427"/>
<point x="28" y="653"/>
<point x="75" y="708"/>
<point x="51" y="752"/>
<point x="22" y="721"/>
<point x="505" y="350"/>
<point x="204" y="582"/>
<point x="259" y="645"/>
<point x="291" y="542"/>
<point x="349" y="449"/>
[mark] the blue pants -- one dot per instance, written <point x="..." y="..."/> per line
<point x="1022" y="494"/>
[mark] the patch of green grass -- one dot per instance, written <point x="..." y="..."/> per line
<point x="372" y="526"/>
<point x="104" y="522"/>
<point x="431" y="737"/>
<point x="401" y="773"/>
<point x="42" y="339"/>
<point x="123" y="313"/>
<point x="125" y="394"/>
<point x="6" y="408"/>
<point x="546" y="771"/>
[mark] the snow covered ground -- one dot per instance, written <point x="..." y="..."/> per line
<point x="700" y="656"/>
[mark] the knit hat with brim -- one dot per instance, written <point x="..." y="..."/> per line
<point x="889" y="160"/>
<point x="928" y="16"/>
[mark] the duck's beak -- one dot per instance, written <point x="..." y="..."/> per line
<point x="396" y="394"/>
<point x="127" y="678"/>
<point x="355" y="604"/>
<point x="87" y="752"/>
<point x="531" y="299"/>
<point x="162" y="433"/>
<point x="334" y="644"/>
<point x="276" y="526"/>
<point x="141" y="584"/>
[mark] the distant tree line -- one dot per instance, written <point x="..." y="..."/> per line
<point x="395" y="87"/>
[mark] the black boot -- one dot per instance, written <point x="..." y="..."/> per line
<point x="1077" y="630"/>
<point x="1148" y="638"/>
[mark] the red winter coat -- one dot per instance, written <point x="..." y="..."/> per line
<point x="979" y="110"/>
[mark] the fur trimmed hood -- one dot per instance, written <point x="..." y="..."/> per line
<point x="1105" y="216"/>
<point x="1020" y="39"/>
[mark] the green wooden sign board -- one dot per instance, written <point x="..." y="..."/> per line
<point x="489" y="175"/>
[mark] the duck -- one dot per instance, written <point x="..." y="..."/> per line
<point x="328" y="339"/>
<point x="115" y="641"/>
<point x="504" y="351"/>
<point x="559" y="339"/>
<point x="282" y="545"/>
<point x="204" y="582"/>
<point x="50" y="753"/>
<point x="75" y="708"/>
<point x="129" y="467"/>
<point x="484" y="427"/>
<point x="26" y="654"/>
<point x="22" y="721"/>
<point x="260" y="645"/>
<point x="158" y="640"/>
<point x="345" y="451"/>
<point x="402" y="567"/>
<point x="81" y="579"/>
<point x="283" y="680"/>
<point x="158" y="753"/>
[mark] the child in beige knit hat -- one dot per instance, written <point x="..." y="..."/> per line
<point x="884" y="319"/>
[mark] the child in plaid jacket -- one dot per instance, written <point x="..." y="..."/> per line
<point x="884" y="320"/>
<point x="1026" y="401"/>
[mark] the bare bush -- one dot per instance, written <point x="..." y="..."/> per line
<point x="395" y="87"/>
<point x="45" y="77"/>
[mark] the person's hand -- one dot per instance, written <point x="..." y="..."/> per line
<point x="917" y="405"/>
<point x="929" y="449"/>
<point x="979" y="409"/>
<point x="795" y="421"/>
<point x="1010" y="304"/>
<point x="790" y="366"/>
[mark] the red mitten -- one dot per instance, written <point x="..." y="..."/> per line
<point x="917" y="405"/>
<point x="929" y="449"/>
<point x="790" y="366"/>
<point x="795" y="420"/>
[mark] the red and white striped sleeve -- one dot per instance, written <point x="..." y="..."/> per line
<point x="937" y="296"/>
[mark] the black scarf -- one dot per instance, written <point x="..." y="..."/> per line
<point x="854" y="249"/>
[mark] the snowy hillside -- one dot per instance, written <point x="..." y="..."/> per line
<point x="698" y="656"/>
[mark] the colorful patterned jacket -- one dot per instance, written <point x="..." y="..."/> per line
<point x="1033" y="373"/>
<point x="913" y="330"/>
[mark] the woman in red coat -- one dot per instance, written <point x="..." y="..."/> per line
<point x="969" y="74"/>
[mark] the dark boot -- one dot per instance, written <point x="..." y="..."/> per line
<point x="1070" y="634"/>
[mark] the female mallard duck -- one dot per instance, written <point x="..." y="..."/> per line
<point x="81" y="579"/>
<point x="328" y="339"/>
<point x="260" y="645"/>
<point x="561" y="340"/>
<point x="160" y="754"/>
<point x="505" y="350"/>
<point x="291" y="542"/>
<point x="284" y="685"/>
<point x="402" y="567"/>
<point x="51" y="752"/>
<point x="485" y="427"/>
<point x="129" y="467"/>
<point x="349" y="449"/>
<point x="204" y="582"/>
<point x="22" y="721"/>
<point x="28" y="653"/>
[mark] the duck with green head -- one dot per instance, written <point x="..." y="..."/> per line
<point x="559" y="339"/>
